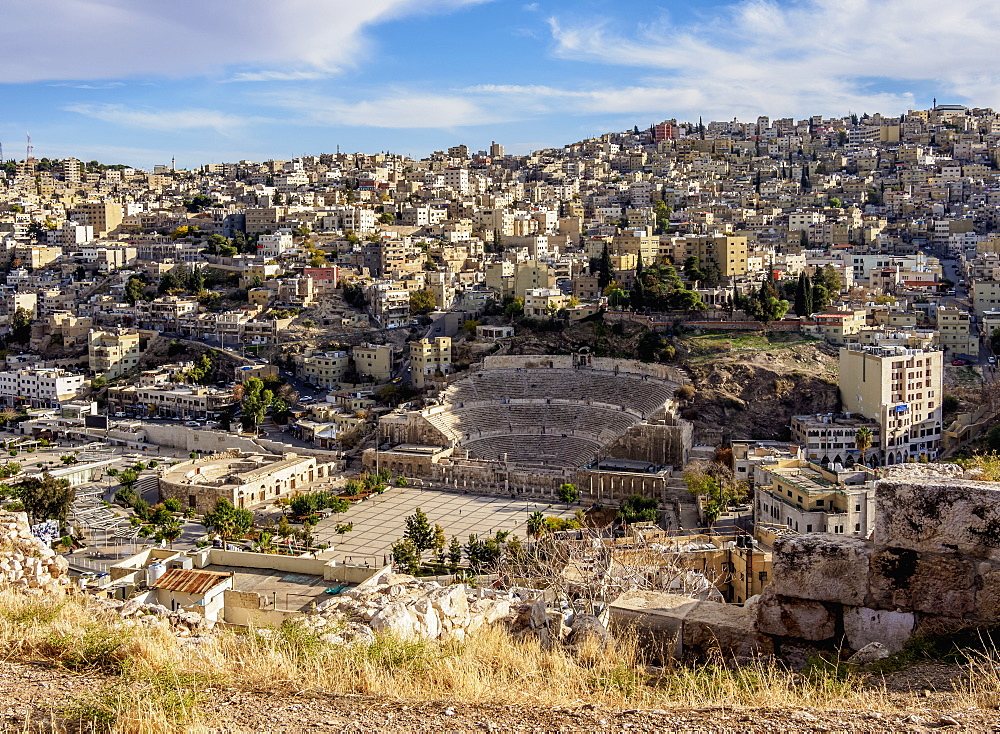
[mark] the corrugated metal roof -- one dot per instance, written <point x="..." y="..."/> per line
<point x="189" y="581"/>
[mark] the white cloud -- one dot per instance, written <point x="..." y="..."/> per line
<point x="393" y="109"/>
<point x="163" y="120"/>
<point x="815" y="56"/>
<point x="113" y="39"/>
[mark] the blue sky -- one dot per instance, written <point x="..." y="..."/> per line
<point x="139" y="81"/>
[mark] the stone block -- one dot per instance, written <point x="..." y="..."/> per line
<point x="730" y="629"/>
<point x="934" y="583"/>
<point x="785" y="616"/>
<point x="822" y="567"/>
<point x="988" y="597"/>
<point x="939" y="515"/>
<point x="657" y="619"/>
<point x="864" y="626"/>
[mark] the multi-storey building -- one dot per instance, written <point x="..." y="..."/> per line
<point x="325" y="369"/>
<point x="831" y="438"/>
<point x="811" y="499"/>
<point x="900" y="389"/>
<point x="40" y="388"/>
<point x="111" y="353"/>
<point x="373" y="361"/>
<point x="430" y="357"/>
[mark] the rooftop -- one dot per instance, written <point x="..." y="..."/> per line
<point x="190" y="581"/>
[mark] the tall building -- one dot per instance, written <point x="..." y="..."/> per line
<point x="429" y="357"/>
<point x="902" y="390"/>
<point x="103" y="216"/>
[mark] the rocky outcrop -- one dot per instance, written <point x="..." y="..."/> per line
<point x="26" y="562"/>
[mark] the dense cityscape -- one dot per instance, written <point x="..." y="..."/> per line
<point x="732" y="383"/>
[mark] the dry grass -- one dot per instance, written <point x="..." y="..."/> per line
<point x="151" y="685"/>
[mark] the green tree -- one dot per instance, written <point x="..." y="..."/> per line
<point x="568" y="493"/>
<point x="803" y="296"/>
<point x="454" y="554"/>
<point x="514" y="308"/>
<point x="20" y="326"/>
<point x="406" y="555"/>
<point x="134" y="288"/>
<point x="536" y="524"/>
<point x="716" y="484"/>
<point x="419" y="530"/>
<point x="439" y="542"/>
<point x="863" y="440"/>
<point x="45" y="497"/>
<point x="228" y="520"/>
<point x="637" y="508"/>
<point x="605" y="269"/>
<point x="422" y="302"/>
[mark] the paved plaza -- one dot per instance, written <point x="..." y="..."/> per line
<point x="379" y="522"/>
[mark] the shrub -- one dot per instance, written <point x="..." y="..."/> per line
<point x="172" y="504"/>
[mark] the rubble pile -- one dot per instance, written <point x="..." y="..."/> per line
<point x="134" y="613"/>
<point x="26" y="563"/>
<point x="410" y="607"/>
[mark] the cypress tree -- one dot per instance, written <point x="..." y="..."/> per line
<point x="605" y="269"/>
<point x="800" y="295"/>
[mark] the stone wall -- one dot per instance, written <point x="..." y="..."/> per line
<point x="660" y="443"/>
<point x="26" y="562"/>
<point x="932" y="566"/>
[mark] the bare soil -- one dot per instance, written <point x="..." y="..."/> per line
<point x="36" y="697"/>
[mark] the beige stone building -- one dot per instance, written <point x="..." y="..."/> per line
<point x="243" y="479"/>
<point x="955" y="333"/>
<point x="810" y="499"/>
<point x="325" y="369"/>
<point x="429" y="357"/>
<point x="373" y="361"/>
<point x="111" y="353"/>
<point x="901" y="389"/>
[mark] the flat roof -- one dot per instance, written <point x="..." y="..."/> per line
<point x="289" y="590"/>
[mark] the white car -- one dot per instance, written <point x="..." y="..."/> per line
<point x="191" y="424"/>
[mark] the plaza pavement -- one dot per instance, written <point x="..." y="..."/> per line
<point x="380" y="522"/>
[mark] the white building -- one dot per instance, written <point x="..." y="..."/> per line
<point x="40" y="388"/>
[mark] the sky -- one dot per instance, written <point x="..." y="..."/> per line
<point x="143" y="81"/>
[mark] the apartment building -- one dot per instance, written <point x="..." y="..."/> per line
<point x="112" y="352"/>
<point x="429" y="357"/>
<point x="541" y="303"/>
<point x="900" y="389"/>
<point x="836" y="326"/>
<point x="325" y="369"/>
<point x="809" y="498"/>
<point x="39" y="387"/>
<point x="183" y="401"/>
<point x="373" y="361"/>
<point x="955" y="332"/>
<point x="831" y="438"/>
<point x="103" y="216"/>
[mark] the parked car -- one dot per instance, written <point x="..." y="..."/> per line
<point x="960" y="362"/>
<point x="191" y="424"/>
<point x="992" y="359"/>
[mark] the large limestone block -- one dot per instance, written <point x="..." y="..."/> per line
<point x="785" y="616"/>
<point x="656" y="618"/>
<point x="988" y="597"/>
<point x="864" y="626"/>
<point x="728" y="628"/>
<point x="939" y="515"/>
<point x="934" y="583"/>
<point x="822" y="567"/>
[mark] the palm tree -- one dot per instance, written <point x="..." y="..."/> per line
<point x="536" y="524"/>
<point x="863" y="439"/>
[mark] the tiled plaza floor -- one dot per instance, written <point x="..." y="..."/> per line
<point x="381" y="521"/>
